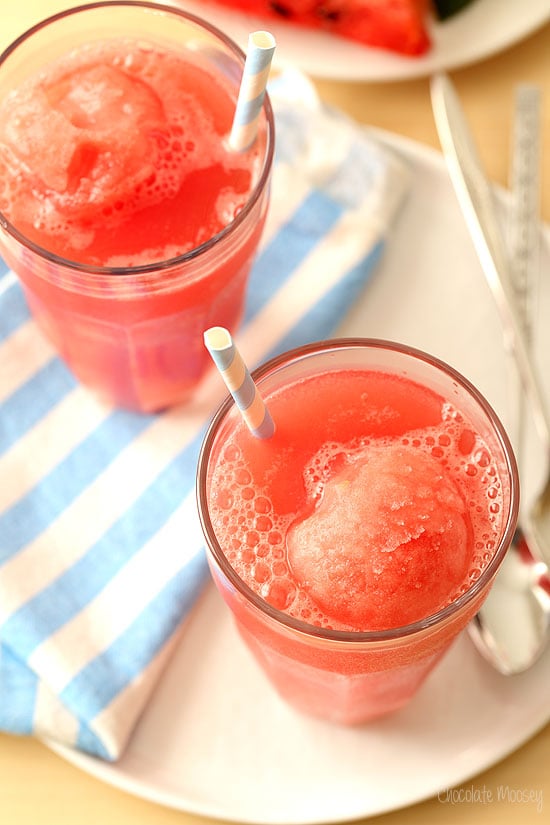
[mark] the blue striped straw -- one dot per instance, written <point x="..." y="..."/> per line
<point x="261" y="46"/>
<point x="238" y="381"/>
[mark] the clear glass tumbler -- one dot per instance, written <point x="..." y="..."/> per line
<point x="346" y="676"/>
<point x="134" y="333"/>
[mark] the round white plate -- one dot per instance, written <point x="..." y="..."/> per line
<point x="480" y="30"/>
<point x="216" y="740"/>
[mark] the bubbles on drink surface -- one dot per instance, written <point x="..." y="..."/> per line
<point x="388" y="528"/>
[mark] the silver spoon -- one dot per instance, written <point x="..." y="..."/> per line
<point x="513" y="626"/>
<point x="512" y="629"/>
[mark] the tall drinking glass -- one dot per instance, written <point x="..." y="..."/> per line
<point x="354" y="545"/>
<point x="130" y="223"/>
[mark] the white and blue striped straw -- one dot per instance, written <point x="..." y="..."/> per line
<point x="261" y="46"/>
<point x="238" y="381"/>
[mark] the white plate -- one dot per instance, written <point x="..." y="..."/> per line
<point x="480" y="30"/>
<point x="216" y="740"/>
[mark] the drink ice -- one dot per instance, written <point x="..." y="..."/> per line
<point x="387" y="544"/>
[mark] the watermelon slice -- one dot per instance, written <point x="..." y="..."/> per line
<point x="396" y="25"/>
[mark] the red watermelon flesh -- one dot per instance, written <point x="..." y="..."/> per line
<point x="396" y="25"/>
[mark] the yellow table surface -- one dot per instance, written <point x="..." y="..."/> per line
<point x="38" y="787"/>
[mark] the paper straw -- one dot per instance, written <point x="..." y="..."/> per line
<point x="261" y="46"/>
<point x="238" y="381"/>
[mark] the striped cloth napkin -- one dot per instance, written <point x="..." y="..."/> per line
<point x="101" y="554"/>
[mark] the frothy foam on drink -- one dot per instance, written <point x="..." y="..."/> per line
<point x="107" y="132"/>
<point x="358" y="557"/>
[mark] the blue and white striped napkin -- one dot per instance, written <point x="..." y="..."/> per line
<point x="101" y="554"/>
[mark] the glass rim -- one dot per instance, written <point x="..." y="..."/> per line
<point x="228" y="230"/>
<point x="440" y="617"/>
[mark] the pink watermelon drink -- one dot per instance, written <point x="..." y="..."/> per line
<point x="130" y="222"/>
<point x="355" y="544"/>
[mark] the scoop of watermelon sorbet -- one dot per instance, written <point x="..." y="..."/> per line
<point x="388" y="543"/>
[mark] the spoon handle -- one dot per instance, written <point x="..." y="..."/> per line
<point x="524" y="229"/>
<point x="525" y="248"/>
